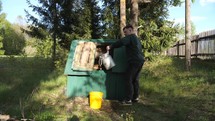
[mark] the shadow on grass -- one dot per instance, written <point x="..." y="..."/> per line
<point x="141" y="111"/>
<point x="199" y="69"/>
<point x="196" y="64"/>
<point x="170" y="93"/>
<point x="164" y="108"/>
<point x="74" y="118"/>
<point x="20" y="77"/>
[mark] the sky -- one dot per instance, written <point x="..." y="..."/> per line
<point x="15" y="8"/>
<point x="201" y="13"/>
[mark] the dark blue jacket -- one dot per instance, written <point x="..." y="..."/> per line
<point x="133" y="48"/>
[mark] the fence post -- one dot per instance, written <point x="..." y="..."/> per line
<point x="196" y="47"/>
<point x="177" y="45"/>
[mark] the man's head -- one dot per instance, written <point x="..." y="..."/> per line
<point x="128" y="29"/>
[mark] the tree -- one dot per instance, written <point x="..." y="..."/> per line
<point x="75" y="19"/>
<point x="122" y="16"/>
<point x="0" y="6"/>
<point x="149" y="17"/>
<point x="181" y="34"/>
<point x="62" y="20"/>
<point x="187" y="35"/>
<point x="12" y="39"/>
<point x="95" y="19"/>
<point x="49" y="21"/>
<point x="91" y="19"/>
<point x="110" y="19"/>
<point x="2" y="30"/>
<point x="156" y="32"/>
<point x="134" y="14"/>
<point x="68" y="18"/>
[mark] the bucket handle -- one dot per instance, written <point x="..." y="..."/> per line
<point x="100" y="61"/>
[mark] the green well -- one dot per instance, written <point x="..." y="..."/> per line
<point x="84" y="75"/>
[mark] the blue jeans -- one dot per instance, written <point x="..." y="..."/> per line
<point x="132" y="80"/>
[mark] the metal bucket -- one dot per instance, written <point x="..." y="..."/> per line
<point x="107" y="61"/>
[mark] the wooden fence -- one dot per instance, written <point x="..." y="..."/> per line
<point x="202" y="46"/>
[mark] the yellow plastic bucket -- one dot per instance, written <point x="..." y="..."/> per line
<point x="96" y="100"/>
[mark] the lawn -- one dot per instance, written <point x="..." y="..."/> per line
<point x="30" y="90"/>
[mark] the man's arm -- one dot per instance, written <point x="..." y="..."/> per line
<point x="119" y="43"/>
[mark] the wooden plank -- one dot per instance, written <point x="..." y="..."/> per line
<point x="205" y="46"/>
<point x="202" y="45"/>
<point x="193" y="47"/>
<point x="211" y="46"/>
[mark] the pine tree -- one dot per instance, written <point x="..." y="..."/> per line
<point x="49" y="21"/>
<point x="155" y="31"/>
<point x="110" y="19"/>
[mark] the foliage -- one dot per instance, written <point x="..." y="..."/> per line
<point x="49" y="21"/>
<point x="45" y="116"/>
<point x="30" y="48"/>
<point x="0" y="6"/>
<point x="60" y="21"/>
<point x="110" y="19"/>
<point x="62" y="55"/>
<point x="44" y="47"/>
<point x="102" y="21"/>
<point x="193" y="1"/>
<point x="156" y="39"/>
<point x="12" y="39"/>
<point x="155" y="31"/>
<point x="2" y="17"/>
<point x="49" y="17"/>
<point x="92" y="12"/>
<point x="62" y="18"/>
<point x="182" y="30"/>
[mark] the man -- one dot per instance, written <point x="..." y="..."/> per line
<point x="135" y="60"/>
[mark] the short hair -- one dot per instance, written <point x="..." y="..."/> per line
<point x="128" y="26"/>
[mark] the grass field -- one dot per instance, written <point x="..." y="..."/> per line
<point x="29" y="89"/>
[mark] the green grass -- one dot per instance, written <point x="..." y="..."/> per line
<point x="184" y="95"/>
<point x="28" y="88"/>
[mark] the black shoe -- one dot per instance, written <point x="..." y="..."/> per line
<point x="126" y="102"/>
<point x="135" y="100"/>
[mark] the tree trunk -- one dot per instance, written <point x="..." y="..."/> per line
<point x="187" y="35"/>
<point x="122" y="16"/>
<point x="54" y="50"/>
<point x="134" y="15"/>
<point x="54" y="37"/>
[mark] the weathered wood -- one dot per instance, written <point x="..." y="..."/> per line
<point x="202" y="45"/>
